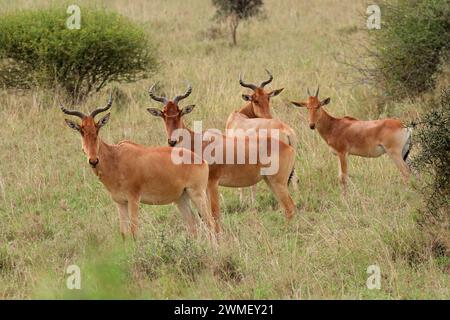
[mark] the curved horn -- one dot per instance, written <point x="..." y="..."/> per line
<point x="246" y="85"/>
<point x="155" y="97"/>
<point x="317" y="92"/>
<point x="72" y="112"/>
<point x="185" y="95"/>
<point x="99" y="110"/>
<point x="267" y="81"/>
<point x="307" y="91"/>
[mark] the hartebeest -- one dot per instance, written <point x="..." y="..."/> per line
<point x="235" y="174"/>
<point x="255" y="114"/>
<point x="368" y="139"/>
<point x="134" y="173"/>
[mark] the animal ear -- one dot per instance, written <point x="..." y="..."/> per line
<point x="325" y="102"/>
<point x="155" y="112"/>
<point x="247" y="97"/>
<point x="187" y="109"/>
<point x="73" y="125"/>
<point x="275" y="92"/>
<point x="103" y="120"/>
<point x="299" y="104"/>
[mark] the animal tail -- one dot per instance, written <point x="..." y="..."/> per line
<point x="291" y="175"/>
<point x="288" y="140"/>
<point x="408" y="144"/>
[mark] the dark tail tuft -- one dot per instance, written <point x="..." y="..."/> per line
<point x="290" y="176"/>
<point x="405" y="156"/>
<point x="407" y="146"/>
<point x="289" y="140"/>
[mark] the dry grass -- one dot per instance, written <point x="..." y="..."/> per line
<point x="54" y="212"/>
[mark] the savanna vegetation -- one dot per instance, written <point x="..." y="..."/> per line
<point x="410" y="47"/>
<point x="54" y="212"/>
<point x="38" y="50"/>
<point x="233" y="12"/>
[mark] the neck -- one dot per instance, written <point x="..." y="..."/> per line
<point x="192" y="136"/>
<point x="105" y="154"/>
<point x="194" y="145"/>
<point x="247" y="110"/>
<point x="325" y="123"/>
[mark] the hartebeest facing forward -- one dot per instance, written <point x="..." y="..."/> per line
<point x="255" y="114"/>
<point x="368" y="139"/>
<point x="134" y="173"/>
<point x="227" y="174"/>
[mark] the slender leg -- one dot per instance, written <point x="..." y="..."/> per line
<point x="343" y="172"/>
<point x="253" y="195"/>
<point x="281" y="192"/>
<point x="401" y="164"/>
<point x="133" y="207"/>
<point x="200" y="200"/>
<point x="213" y="191"/>
<point x="123" y="218"/>
<point x="184" y="207"/>
<point x="241" y="195"/>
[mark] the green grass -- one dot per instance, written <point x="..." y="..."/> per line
<point x="54" y="212"/>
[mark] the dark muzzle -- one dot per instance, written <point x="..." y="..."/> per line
<point x="172" y="143"/>
<point x="312" y="126"/>
<point x="93" y="163"/>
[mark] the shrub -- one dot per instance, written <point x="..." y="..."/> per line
<point x="433" y="161"/>
<point x="433" y="136"/>
<point x="233" y="11"/>
<point x="407" y="50"/>
<point x="37" y="49"/>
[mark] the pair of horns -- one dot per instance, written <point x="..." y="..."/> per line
<point x="93" y="113"/>
<point x="253" y="86"/>
<point x="164" y="99"/>
<point x="317" y="92"/>
<point x="178" y="98"/>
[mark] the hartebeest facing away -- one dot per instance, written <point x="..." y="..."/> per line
<point x="256" y="115"/>
<point x="134" y="173"/>
<point x="368" y="139"/>
<point x="227" y="174"/>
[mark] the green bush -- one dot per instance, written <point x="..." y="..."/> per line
<point x="433" y="137"/>
<point x="37" y="49"/>
<point x="414" y="38"/>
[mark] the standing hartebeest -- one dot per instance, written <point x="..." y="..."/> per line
<point x="134" y="173"/>
<point x="255" y="114"/>
<point x="368" y="139"/>
<point x="235" y="174"/>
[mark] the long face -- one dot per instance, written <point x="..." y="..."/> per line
<point x="260" y="100"/>
<point x="171" y="114"/>
<point x="314" y="106"/>
<point x="89" y="136"/>
<point x="89" y="130"/>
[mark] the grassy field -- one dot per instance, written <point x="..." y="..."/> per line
<point x="54" y="212"/>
